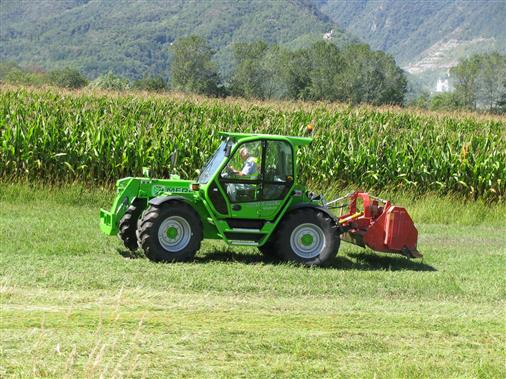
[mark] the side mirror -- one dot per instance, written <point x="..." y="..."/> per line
<point x="228" y="149"/>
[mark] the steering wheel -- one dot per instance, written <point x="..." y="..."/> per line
<point x="228" y="172"/>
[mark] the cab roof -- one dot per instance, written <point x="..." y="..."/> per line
<point x="297" y="141"/>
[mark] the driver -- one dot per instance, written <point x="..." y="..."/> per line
<point x="249" y="170"/>
<point x="249" y="167"/>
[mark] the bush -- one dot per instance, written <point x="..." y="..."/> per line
<point x="445" y="101"/>
<point x="150" y="83"/>
<point x="14" y="74"/>
<point x="110" y="81"/>
<point x="421" y="101"/>
<point x="67" y="78"/>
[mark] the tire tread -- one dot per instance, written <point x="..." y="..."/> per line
<point x="128" y="225"/>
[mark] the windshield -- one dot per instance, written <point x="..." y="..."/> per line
<point x="214" y="163"/>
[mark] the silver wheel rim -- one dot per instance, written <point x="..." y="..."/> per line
<point x="307" y="241"/>
<point x="178" y="242"/>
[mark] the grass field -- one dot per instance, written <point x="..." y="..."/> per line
<point x="74" y="303"/>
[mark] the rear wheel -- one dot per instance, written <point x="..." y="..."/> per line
<point x="308" y="236"/>
<point x="128" y="224"/>
<point x="171" y="232"/>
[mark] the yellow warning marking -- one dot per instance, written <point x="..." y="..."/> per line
<point x="352" y="217"/>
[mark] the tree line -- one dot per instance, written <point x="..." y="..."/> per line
<point x="353" y="74"/>
<point x="74" y="79"/>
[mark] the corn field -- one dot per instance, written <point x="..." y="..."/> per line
<point x="55" y="136"/>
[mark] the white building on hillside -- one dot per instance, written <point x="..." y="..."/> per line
<point x="328" y="36"/>
<point x="443" y="85"/>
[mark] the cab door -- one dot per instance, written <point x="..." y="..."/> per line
<point x="241" y="180"/>
<point x="277" y="178"/>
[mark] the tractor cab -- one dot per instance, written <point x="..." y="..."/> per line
<point x="250" y="176"/>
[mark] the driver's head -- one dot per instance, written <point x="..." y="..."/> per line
<point x="244" y="153"/>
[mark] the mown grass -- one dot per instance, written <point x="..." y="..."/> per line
<point x="76" y="304"/>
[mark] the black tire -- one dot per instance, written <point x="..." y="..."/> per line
<point x="321" y="228"/>
<point x="153" y="219"/>
<point x="269" y="248"/>
<point x="128" y="224"/>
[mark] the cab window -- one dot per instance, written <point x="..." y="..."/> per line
<point x="241" y="176"/>
<point x="278" y="176"/>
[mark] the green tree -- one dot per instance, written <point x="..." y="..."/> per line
<point x="192" y="68"/>
<point x="249" y="73"/>
<point x="465" y="76"/>
<point x="480" y="80"/>
<point x="325" y="64"/>
<point x="370" y="76"/>
<point x="298" y="81"/>
<point x="501" y="104"/>
<point x="151" y="83"/>
<point x="277" y="69"/>
<point x="67" y="78"/>
<point x="491" y="80"/>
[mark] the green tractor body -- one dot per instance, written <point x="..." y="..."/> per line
<point x="248" y="193"/>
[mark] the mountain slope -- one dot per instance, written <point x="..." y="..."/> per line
<point x="133" y="37"/>
<point x="418" y="30"/>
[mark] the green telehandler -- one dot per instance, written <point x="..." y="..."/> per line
<point x="249" y="194"/>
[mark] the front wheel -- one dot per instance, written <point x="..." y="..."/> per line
<point x="170" y="232"/>
<point x="308" y="236"/>
<point x="128" y="224"/>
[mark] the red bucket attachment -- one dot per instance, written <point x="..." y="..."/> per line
<point x="379" y="226"/>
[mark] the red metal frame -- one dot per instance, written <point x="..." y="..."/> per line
<point x="380" y="226"/>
